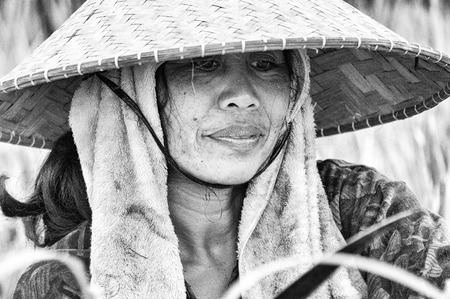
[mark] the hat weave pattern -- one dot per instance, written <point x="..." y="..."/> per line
<point x="363" y="74"/>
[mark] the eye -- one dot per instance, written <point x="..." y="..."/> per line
<point x="263" y="65"/>
<point x="206" y="65"/>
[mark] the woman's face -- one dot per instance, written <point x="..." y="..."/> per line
<point x="225" y="113"/>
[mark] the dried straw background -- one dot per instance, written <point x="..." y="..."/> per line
<point x="416" y="151"/>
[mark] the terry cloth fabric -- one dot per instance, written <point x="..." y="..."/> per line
<point x="134" y="251"/>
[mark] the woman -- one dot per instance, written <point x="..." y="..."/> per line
<point x="206" y="170"/>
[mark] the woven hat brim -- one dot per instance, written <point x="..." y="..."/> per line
<point x="362" y="73"/>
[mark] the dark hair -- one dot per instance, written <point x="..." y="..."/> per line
<point x="59" y="202"/>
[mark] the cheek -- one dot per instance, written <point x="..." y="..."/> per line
<point x="188" y="112"/>
<point x="277" y="105"/>
<point x="181" y="122"/>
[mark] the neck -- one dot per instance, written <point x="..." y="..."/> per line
<point x="205" y="219"/>
<point x="206" y="223"/>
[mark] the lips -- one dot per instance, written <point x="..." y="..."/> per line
<point x="237" y="132"/>
<point x="242" y="138"/>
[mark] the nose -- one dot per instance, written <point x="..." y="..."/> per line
<point x="238" y="94"/>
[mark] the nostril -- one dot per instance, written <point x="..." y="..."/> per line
<point x="235" y="100"/>
<point x="232" y="105"/>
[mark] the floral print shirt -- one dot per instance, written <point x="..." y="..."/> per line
<point x="359" y="196"/>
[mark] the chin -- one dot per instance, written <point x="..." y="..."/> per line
<point x="230" y="181"/>
<point x="235" y="176"/>
<point x="223" y="171"/>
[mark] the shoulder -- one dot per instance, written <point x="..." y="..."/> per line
<point x="362" y="195"/>
<point x="337" y="175"/>
<point x="53" y="279"/>
<point x="47" y="279"/>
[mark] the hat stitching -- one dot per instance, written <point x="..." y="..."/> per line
<point x="203" y="49"/>
<point x="31" y="79"/>
<point x="46" y="76"/>
<point x="116" y="61"/>
<point x="434" y="99"/>
<point x="11" y="136"/>
<point x="406" y="51"/>
<point x="419" y="47"/>
<point x="343" y="39"/>
<point x="265" y="46"/>
<point x="392" y="45"/>
<point x="15" y="83"/>
<point x="440" y="57"/>
<point x="223" y="46"/>
<point x="359" y="42"/>
<point x="379" y="119"/>
<point x="430" y="49"/>
<point x="394" y="116"/>
<point x="448" y="86"/>
<point x="181" y="52"/>
<point x="155" y="55"/>
<point x="79" y="68"/>
<point x="376" y="46"/>
<point x="404" y="113"/>
<point x="324" y="42"/>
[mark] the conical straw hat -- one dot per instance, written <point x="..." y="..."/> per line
<point x="362" y="74"/>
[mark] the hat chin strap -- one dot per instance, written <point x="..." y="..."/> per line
<point x="135" y="108"/>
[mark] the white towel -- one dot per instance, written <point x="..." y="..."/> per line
<point x="134" y="251"/>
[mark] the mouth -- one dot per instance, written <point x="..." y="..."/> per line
<point x="238" y="137"/>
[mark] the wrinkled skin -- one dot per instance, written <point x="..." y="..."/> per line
<point x="225" y="113"/>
